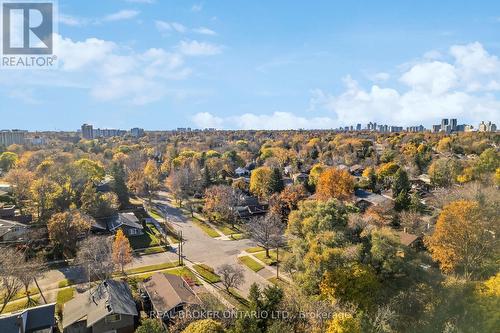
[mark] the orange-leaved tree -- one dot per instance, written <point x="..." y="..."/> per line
<point x="335" y="183"/>
<point x="122" y="252"/>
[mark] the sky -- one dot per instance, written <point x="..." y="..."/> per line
<point x="233" y="64"/>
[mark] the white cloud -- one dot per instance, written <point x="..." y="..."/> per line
<point x="72" y="21"/>
<point x="164" y="26"/>
<point x="195" y="48"/>
<point x="197" y="7"/>
<point x="205" y="31"/>
<point x="207" y="120"/>
<point x="110" y="72"/>
<point x="380" y="77"/>
<point x="125" y="14"/>
<point x="276" y="120"/>
<point x="433" y="89"/>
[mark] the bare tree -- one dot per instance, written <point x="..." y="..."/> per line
<point x="231" y="276"/>
<point x="267" y="231"/>
<point x="182" y="183"/>
<point x="29" y="272"/>
<point x="10" y="263"/>
<point x="95" y="257"/>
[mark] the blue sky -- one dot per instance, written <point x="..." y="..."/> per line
<point x="162" y="64"/>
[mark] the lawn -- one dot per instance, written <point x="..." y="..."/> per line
<point x="185" y="273"/>
<point x="148" y="239"/>
<point x="63" y="296"/>
<point x="254" y="249"/>
<point x="155" y="214"/>
<point x="65" y="283"/>
<point x="278" y="282"/>
<point x="21" y="304"/>
<point x="268" y="261"/>
<point x="207" y="273"/>
<point x="250" y="263"/>
<point x="150" y="268"/>
<point x="234" y="298"/>
<point x="206" y="228"/>
<point x="152" y="250"/>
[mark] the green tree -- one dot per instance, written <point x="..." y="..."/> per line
<point x="204" y="326"/>
<point x="151" y="326"/>
<point x="276" y="182"/>
<point x="7" y="160"/>
<point x="120" y="183"/>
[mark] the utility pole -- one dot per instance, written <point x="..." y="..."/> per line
<point x="180" y="248"/>
<point x="277" y="262"/>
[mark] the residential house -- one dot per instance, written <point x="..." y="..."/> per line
<point x="12" y="231"/>
<point x="365" y="199"/>
<point x="410" y="240"/>
<point x="241" y="172"/>
<point x="7" y="211"/>
<point x="356" y="170"/>
<point x="39" y="319"/>
<point x="109" y="307"/>
<point x="128" y="222"/>
<point x="167" y="294"/>
<point x="300" y="178"/>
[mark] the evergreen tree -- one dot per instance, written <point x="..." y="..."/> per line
<point x="400" y="190"/>
<point x="276" y="181"/>
<point x="120" y="184"/>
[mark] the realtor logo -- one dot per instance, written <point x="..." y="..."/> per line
<point x="27" y="33"/>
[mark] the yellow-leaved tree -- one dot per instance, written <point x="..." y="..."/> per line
<point x="122" y="252"/>
<point x="464" y="238"/>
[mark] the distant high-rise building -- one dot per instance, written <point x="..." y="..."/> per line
<point x="358" y="127"/>
<point x="87" y="132"/>
<point x="444" y="123"/>
<point x="436" y="128"/>
<point x="487" y="127"/>
<point x="8" y="138"/>
<point x="453" y="125"/>
<point x="137" y="132"/>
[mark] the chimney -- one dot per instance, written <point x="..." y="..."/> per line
<point x="20" y="323"/>
<point x="405" y="230"/>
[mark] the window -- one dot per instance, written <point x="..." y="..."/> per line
<point x="113" y="318"/>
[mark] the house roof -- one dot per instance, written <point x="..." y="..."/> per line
<point x="110" y="297"/>
<point x="36" y="318"/>
<point x="373" y="198"/>
<point x="406" y="238"/>
<point x="6" y="226"/>
<point x="124" y="219"/>
<point x="167" y="291"/>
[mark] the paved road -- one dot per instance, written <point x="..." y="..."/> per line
<point x="201" y="248"/>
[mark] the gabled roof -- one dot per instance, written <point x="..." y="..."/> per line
<point x="33" y="319"/>
<point x="6" y="226"/>
<point x="124" y="219"/>
<point x="167" y="291"/>
<point x="110" y="297"/>
<point x="373" y="198"/>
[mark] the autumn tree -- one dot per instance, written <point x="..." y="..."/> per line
<point x="65" y="229"/>
<point x="443" y="172"/>
<point x="353" y="283"/>
<point x="231" y="276"/>
<point x="151" y="178"/>
<point x="182" y="183"/>
<point x="288" y="200"/>
<point x="464" y="238"/>
<point x="98" y="204"/>
<point x="260" y="181"/>
<point x="122" y="252"/>
<point x="204" y="326"/>
<point x="344" y="322"/>
<point x="21" y="180"/>
<point x="220" y="204"/>
<point x="44" y="193"/>
<point x="267" y="231"/>
<point x="335" y="183"/>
